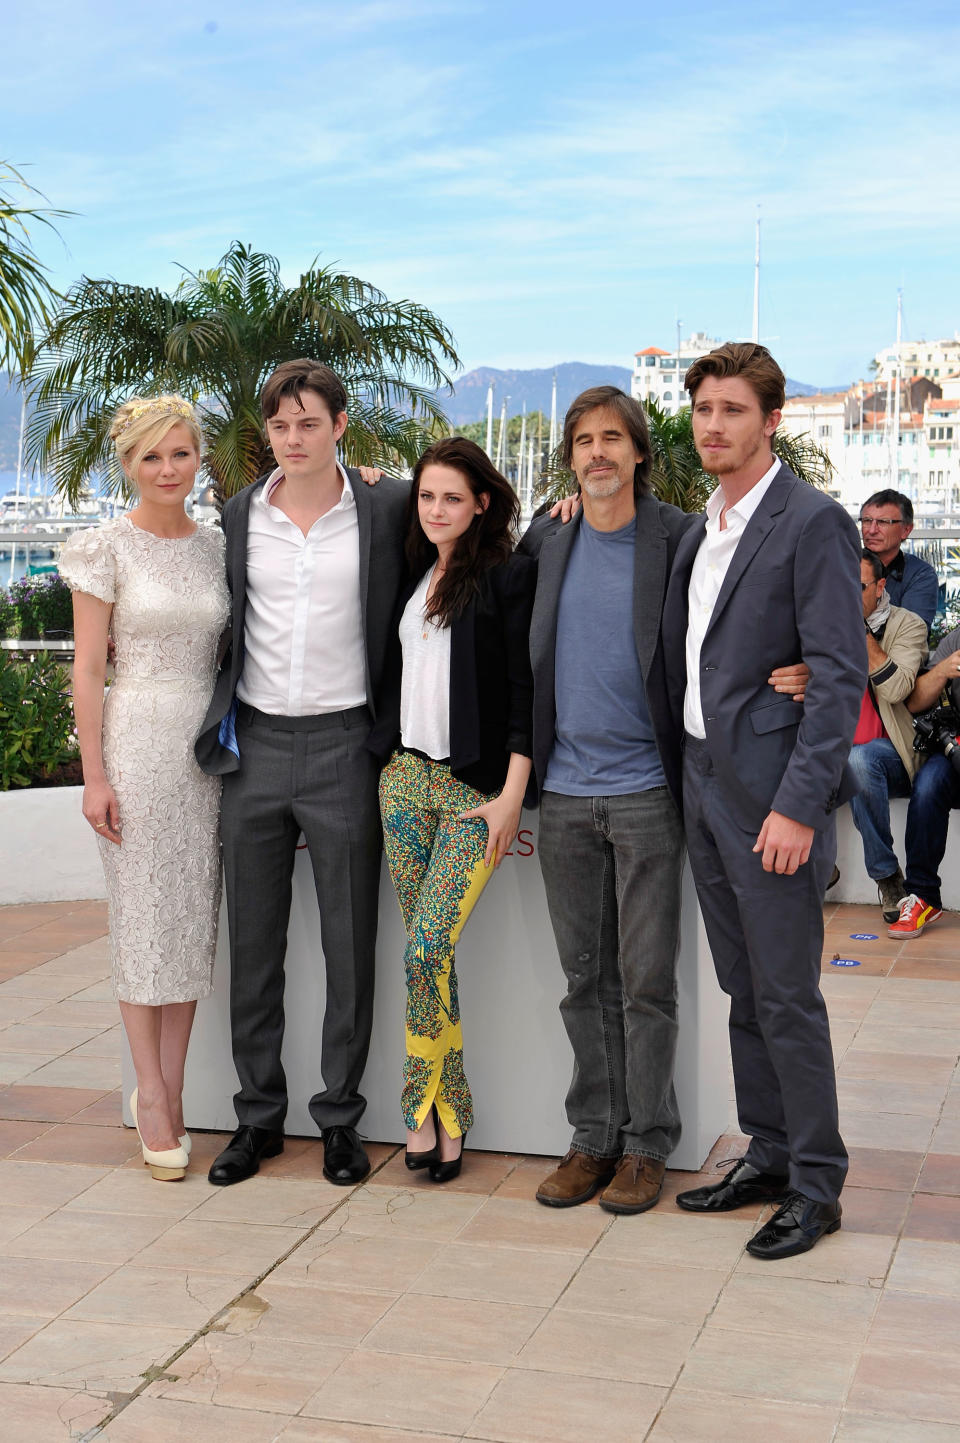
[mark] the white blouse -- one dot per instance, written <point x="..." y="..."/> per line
<point x="425" y="685"/>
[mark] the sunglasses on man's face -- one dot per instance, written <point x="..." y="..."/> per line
<point x="880" y="521"/>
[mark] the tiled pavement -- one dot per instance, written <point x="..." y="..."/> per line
<point x="287" y="1309"/>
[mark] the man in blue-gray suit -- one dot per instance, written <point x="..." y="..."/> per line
<point x="768" y="574"/>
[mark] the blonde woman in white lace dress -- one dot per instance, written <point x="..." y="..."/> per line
<point x="154" y="582"/>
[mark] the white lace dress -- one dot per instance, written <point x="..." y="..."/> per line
<point x="170" y="604"/>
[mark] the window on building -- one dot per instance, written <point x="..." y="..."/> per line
<point x="823" y="430"/>
<point x="668" y="395"/>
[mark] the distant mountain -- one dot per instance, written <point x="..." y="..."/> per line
<point x="469" y="401"/>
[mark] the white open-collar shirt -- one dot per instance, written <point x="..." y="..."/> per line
<point x="303" y="632"/>
<point x="710" y="566"/>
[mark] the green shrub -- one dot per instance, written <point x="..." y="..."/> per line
<point x="44" y="604"/>
<point x="36" y="720"/>
<point x="9" y="616"/>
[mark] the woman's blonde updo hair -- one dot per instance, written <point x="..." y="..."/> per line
<point x="142" y="422"/>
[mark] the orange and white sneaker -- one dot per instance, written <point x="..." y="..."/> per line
<point x="915" y="916"/>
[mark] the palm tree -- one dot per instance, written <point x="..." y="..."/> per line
<point x="26" y="296"/>
<point x="215" y="340"/>
<point x="677" y="475"/>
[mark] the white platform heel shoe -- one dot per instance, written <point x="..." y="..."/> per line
<point x="166" y="1166"/>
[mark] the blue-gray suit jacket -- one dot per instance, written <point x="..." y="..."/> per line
<point x="792" y="591"/>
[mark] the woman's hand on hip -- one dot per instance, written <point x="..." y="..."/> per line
<point x="502" y="817"/>
<point x="101" y="810"/>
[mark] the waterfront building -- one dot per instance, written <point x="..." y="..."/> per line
<point x="933" y="359"/>
<point x="856" y="429"/>
<point x="660" y="376"/>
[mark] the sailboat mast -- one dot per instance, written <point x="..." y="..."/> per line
<point x="895" y="472"/>
<point x="756" y="285"/>
<point x="489" y="446"/>
<point x="553" y="416"/>
<point x="523" y="448"/>
<point x="501" y="439"/>
<point x="23" y="422"/>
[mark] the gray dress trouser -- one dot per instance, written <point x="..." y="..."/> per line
<point x="766" y="935"/>
<point x="311" y="775"/>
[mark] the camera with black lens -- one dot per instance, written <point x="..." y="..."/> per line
<point x="938" y="730"/>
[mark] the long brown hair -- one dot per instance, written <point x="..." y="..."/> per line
<point x="489" y="539"/>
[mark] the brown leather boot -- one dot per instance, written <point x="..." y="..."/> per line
<point x="637" y="1185"/>
<point x="576" y="1180"/>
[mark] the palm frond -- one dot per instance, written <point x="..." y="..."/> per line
<point x="26" y="296"/>
<point x="215" y="339"/>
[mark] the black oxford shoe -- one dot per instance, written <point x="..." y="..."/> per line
<point x="795" y="1227"/>
<point x="241" y="1157"/>
<point x="344" y="1158"/>
<point x="742" y="1185"/>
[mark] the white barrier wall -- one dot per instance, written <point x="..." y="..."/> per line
<point x="516" y="1051"/>
<point x="47" y="851"/>
<point x="856" y="886"/>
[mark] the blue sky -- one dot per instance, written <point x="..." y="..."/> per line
<point x="558" y="181"/>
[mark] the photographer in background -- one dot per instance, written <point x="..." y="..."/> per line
<point x="935" y="791"/>
<point x="886" y="520"/>
<point x="883" y="758"/>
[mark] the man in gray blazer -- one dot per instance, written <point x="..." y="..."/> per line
<point x="314" y="562"/>
<point x="608" y="774"/>
<point x="769" y="574"/>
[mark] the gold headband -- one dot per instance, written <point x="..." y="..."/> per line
<point x="157" y="408"/>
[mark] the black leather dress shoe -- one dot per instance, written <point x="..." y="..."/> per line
<point x="344" y="1158"/>
<point x="240" y="1158"/>
<point x="794" y="1228"/>
<point x="742" y="1185"/>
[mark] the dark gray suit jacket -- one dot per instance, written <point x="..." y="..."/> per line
<point x="792" y="590"/>
<point x="660" y="528"/>
<point x="381" y="510"/>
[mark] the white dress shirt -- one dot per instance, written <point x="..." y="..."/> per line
<point x="425" y="684"/>
<point x="303" y="633"/>
<point x="710" y="566"/>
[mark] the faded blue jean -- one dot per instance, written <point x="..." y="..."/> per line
<point x="936" y="791"/>
<point x="881" y="775"/>
<point x="612" y="870"/>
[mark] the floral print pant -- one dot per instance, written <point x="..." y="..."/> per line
<point x="437" y="867"/>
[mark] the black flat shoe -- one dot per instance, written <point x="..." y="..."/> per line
<point x="416" y="1160"/>
<point x="447" y="1171"/>
<point x="242" y="1155"/>
<point x="344" y="1158"/>
<point x="795" y="1227"/>
<point x="742" y="1186"/>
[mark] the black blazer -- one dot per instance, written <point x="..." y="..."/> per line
<point x="491" y="684"/>
<point x="381" y="511"/>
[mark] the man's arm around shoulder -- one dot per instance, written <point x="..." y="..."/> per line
<point x="829" y="619"/>
<point x="537" y="532"/>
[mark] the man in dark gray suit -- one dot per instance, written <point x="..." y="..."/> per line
<point x="314" y="562"/>
<point x="770" y="573"/>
